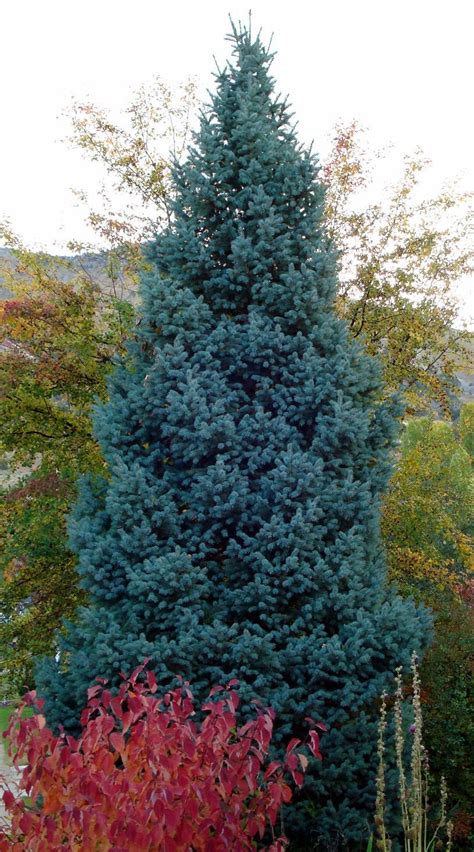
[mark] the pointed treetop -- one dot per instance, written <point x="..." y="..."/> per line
<point x="248" y="232"/>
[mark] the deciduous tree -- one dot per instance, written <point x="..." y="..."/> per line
<point x="428" y="520"/>
<point x="136" y="153"/>
<point x="59" y="332"/>
<point x="402" y="251"/>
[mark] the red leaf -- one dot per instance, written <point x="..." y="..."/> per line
<point x="215" y="690"/>
<point x="292" y="744"/>
<point x="93" y="691"/>
<point x="151" y="680"/>
<point x="8" y="799"/>
<point x="314" y="744"/>
<point x="25" y="823"/>
<point x="298" y="778"/>
<point x="117" y="741"/>
<point x="271" y="769"/>
<point x="234" y="700"/>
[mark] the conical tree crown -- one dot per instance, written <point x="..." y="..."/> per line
<point x="247" y="231"/>
<point x="237" y="531"/>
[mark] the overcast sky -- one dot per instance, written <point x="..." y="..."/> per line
<point x="402" y="68"/>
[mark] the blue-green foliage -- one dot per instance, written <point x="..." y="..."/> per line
<point x="237" y="533"/>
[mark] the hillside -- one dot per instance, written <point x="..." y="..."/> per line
<point x="93" y="265"/>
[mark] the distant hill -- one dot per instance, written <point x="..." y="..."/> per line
<point x="93" y="264"/>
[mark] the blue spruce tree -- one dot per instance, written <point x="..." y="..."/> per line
<point x="237" y="531"/>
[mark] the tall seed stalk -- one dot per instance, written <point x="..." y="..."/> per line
<point x="383" y="841"/>
<point x="414" y="802"/>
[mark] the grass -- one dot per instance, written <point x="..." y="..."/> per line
<point x="5" y="713"/>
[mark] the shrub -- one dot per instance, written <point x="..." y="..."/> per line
<point x="144" y="775"/>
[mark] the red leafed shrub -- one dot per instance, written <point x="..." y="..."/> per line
<point x="144" y="775"/>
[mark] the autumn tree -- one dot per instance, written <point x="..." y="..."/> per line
<point x="135" y="151"/>
<point x="428" y="520"/>
<point x="59" y="332"/>
<point x="401" y="253"/>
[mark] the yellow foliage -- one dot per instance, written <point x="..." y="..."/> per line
<point x="428" y="515"/>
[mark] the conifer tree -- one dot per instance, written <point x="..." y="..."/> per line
<point x="237" y="531"/>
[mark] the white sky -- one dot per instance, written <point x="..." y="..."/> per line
<point x="404" y="68"/>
